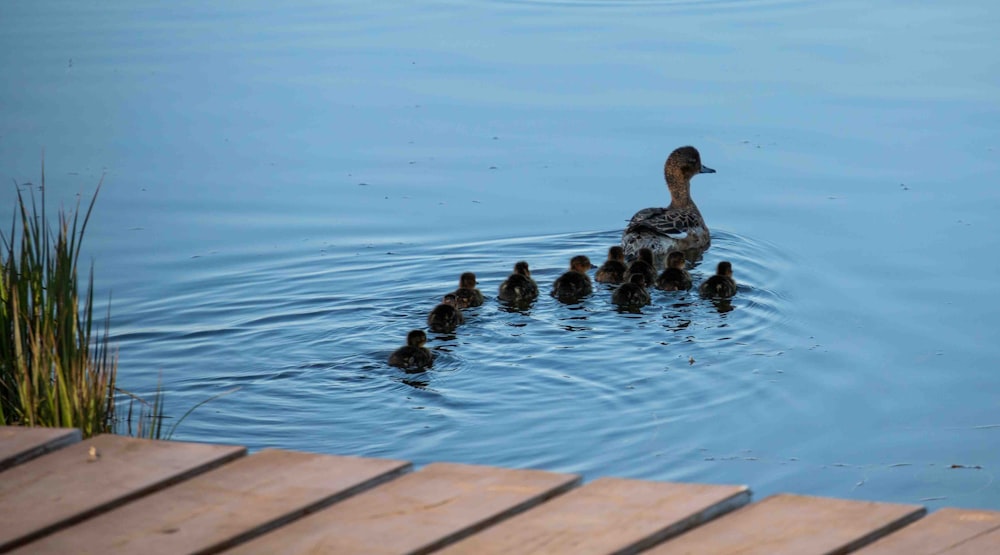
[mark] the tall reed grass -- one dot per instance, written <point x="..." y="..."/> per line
<point x="56" y="368"/>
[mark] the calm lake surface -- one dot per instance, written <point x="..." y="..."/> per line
<point x="289" y="189"/>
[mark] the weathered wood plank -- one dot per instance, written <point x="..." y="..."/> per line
<point x="608" y="515"/>
<point x="19" y="444"/>
<point x="794" y="525"/>
<point x="988" y="543"/>
<point x="93" y="476"/>
<point x="417" y="513"/>
<point x="222" y="507"/>
<point x="944" y="531"/>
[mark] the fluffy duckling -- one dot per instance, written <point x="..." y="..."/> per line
<point x="674" y="277"/>
<point x="446" y="316"/>
<point x="632" y="294"/>
<point x="643" y="265"/>
<point x="575" y="283"/>
<point x="721" y="284"/>
<point x="519" y="287"/>
<point x="467" y="294"/>
<point x="412" y="356"/>
<point x="678" y="227"/>
<point x="614" y="268"/>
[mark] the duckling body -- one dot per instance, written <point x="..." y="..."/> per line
<point x="467" y="294"/>
<point x="721" y="285"/>
<point x="675" y="277"/>
<point x="678" y="227"/>
<point x="446" y="316"/>
<point x="575" y="283"/>
<point x="413" y="355"/>
<point x="632" y="294"/>
<point x="518" y="287"/>
<point x="643" y="265"/>
<point x="614" y="268"/>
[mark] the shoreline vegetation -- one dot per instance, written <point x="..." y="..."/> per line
<point x="57" y="366"/>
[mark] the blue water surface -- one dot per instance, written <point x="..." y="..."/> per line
<point x="289" y="188"/>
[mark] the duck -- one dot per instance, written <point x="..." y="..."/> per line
<point x="467" y="294"/>
<point x="674" y="277"/>
<point x="721" y="285"/>
<point x="519" y="287"/>
<point x="632" y="294"/>
<point x="446" y="316"/>
<point x="575" y="283"/>
<point x="644" y="265"/>
<point x="678" y="227"/>
<point x="614" y="268"/>
<point x="413" y="355"/>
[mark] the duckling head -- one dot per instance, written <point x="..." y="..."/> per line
<point x="724" y="269"/>
<point x="522" y="269"/>
<point x="581" y="263"/>
<point x="416" y="338"/>
<point x="467" y="280"/>
<point x="676" y="260"/>
<point x="450" y="299"/>
<point x="638" y="279"/>
<point x="616" y="253"/>
<point x="646" y="255"/>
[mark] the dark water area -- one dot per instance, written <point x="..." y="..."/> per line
<point x="289" y="189"/>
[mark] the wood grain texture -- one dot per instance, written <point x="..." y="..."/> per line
<point x="983" y="544"/>
<point x="793" y="525"/>
<point x="944" y="531"/>
<point x="608" y="515"/>
<point x="417" y="513"/>
<point x="69" y="485"/>
<point x="19" y="444"/>
<point x="222" y="507"/>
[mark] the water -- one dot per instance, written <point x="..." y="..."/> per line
<point x="290" y="189"/>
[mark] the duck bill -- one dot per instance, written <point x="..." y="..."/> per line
<point x="706" y="169"/>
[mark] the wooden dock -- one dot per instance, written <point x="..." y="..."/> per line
<point x="114" y="494"/>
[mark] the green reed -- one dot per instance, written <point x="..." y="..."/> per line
<point x="55" y="370"/>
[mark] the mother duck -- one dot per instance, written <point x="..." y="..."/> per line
<point x="678" y="227"/>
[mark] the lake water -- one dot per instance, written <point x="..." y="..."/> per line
<point x="290" y="188"/>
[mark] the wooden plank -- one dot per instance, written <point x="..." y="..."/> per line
<point x="71" y="484"/>
<point x="979" y="545"/>
<point x="417" y="513"/>
<point x="943" y="530"/>
<point x="19" y="444"/>
<point x="796" y="525"/>
<point x="608" y="515"/>
<point x="223" y="507"/>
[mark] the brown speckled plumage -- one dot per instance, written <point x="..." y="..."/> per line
<point x="722" y="284"/>
<point x="412" y="356"/>
<point x="678" y="227"/>
<point x="519" y="287"/>
<point x="574" y="284"/>
<point x="614" y="268"/>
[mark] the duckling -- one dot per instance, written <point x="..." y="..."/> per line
<point x="674" y="277"/>
<point x="467" y="294"/>
<point x="519" y="287"/>
<point x="721" y="284"/>
<point x="446" y="316"/>
<point x="678" y="227"/>
<point x="632" y="294"/>
<point x="412" y="356"/>
<point x="575" y="283"/>
<point x="613" y="270"/>
<point x="643" y="265"/>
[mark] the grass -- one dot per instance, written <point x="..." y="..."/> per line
<point x="56" y="368"/>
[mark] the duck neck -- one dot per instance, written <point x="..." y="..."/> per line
<point x="679" y="186"/>
<point x="680" y="193"/>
